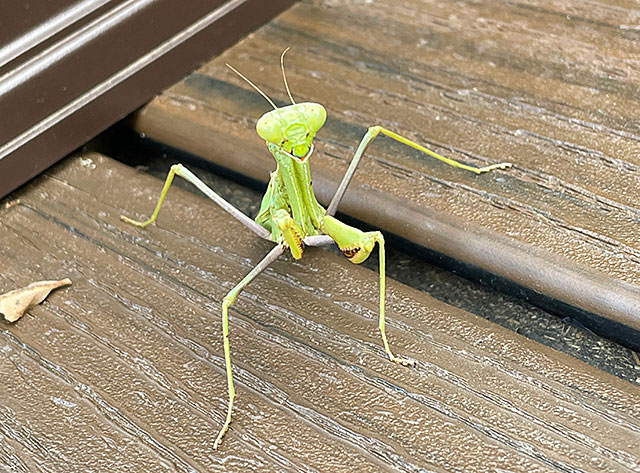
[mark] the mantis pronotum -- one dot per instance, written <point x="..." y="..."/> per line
<point x="290" y="215"/>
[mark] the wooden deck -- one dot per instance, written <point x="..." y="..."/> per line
<point x="123" y="370"/>
<point x="551" y="86"/>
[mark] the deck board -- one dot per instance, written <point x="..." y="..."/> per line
<point x="123" y="370"/>
<point x="546" y="85"/>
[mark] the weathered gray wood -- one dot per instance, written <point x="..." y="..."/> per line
<point x="123" y="370"/>
<point x="548" y="85"/>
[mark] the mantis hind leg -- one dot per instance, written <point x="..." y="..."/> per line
<point x="226" y="303"/>
<point x="357" y="245"/>
<point x="374" y="131"/>
<point x="377" y="236"/>
<point x="180" y="170"/>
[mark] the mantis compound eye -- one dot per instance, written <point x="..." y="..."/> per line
<point x="269" y="129"/>
<point x="316" y="115"/>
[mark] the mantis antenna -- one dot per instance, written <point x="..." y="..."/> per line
<point x="284" y="76"/>
<point x="253" y="85"/>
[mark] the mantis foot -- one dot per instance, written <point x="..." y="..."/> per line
<point x="223" y="431"/>
<point x="492" y="167"/>
<point x="401" y="361"/>
<point x="135" y="222"/>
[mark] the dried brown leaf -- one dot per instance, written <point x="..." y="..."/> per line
<point x="13" y="304"/>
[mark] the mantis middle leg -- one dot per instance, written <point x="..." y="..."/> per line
<point x="374" y="131"/>
<point x="180" y="170"/>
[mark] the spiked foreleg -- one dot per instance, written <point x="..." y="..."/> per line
<point x="290" y="232"/>
<point x="357" y="245"/>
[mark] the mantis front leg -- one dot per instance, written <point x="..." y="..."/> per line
<point x="357" y="245"/>
<point x="374" y="131"/>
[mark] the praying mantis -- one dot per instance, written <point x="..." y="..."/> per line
<point x="290" y="214"/>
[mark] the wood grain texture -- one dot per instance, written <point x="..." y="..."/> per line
<point x="123" y="370"/>
<point x="551" y="86"/>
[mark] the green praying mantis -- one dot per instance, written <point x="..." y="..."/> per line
<point x="290" y="214"/>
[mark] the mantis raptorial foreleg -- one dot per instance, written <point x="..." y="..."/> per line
<point x="180" y="170"/>
<point x="374" y="131"/>
<point x="226" y="303"/>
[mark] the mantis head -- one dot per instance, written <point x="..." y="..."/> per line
<point x="292" y="128"/>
